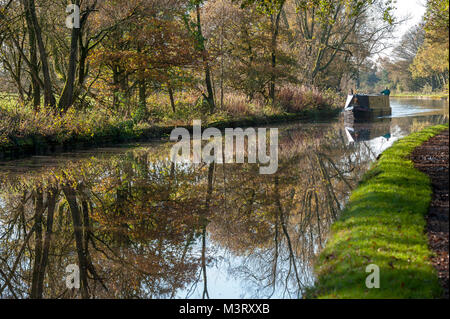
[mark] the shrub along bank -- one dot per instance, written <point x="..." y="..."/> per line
<point x="25" y="136"/>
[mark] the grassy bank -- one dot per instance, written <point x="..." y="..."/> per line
<point x="418" y="95"/>
<point x="25" y="131"/>
<point x="73" y="134"/>
<point x="383" y="224"/>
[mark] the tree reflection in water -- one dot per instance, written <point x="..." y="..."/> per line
<point x="139" y="226"/>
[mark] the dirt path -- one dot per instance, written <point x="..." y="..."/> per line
<point x="432" y="159"/>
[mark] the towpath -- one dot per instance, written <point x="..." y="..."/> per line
<point x="432" y="159"/>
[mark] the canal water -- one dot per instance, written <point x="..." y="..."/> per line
<point x="138" y="226"/>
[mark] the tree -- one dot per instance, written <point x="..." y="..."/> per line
<point x="194" y="26"/>
<point x="333" y="29"/>
<point x="67" y="95"/>
<point x="30" y="11"/>
<point x="431" y="60"/>
<point x="398" y="69"/>
<point x="126" y="50"/>
<point x="437" y="21"/>
<point x="274" y="9"/>
<point x="151" y="50"/>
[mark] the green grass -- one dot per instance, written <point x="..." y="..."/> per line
<point x="383" y="224"/>
<point x="420" y="95"/>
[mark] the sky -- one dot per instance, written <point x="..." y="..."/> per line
<point x="411" y="9"/>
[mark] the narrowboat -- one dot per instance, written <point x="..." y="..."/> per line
<point x="367" y="107"/>
<point x="360" y="131"/>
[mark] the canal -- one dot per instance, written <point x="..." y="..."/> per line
<point x="139" y="226"/>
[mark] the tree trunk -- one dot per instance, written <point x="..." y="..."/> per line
<point x="115" y="90"/>
<point x="142" y="95"/>
<point x="222" y="67"/>
<point x="172" y="99"/>
<point x="78" y="233"/>
<point x="39" y="210"/>
<point x="49" y="99"/>
<point x="67" y="95"/>
<point x="82" y="67"/>
<point x="275" y="32"/>
<point x="35" y="86"/>
<point x="51" y="200"/>
<point x="209" y="88"/>
<point x="33" y="59"/>
<point x="211" y="170"/>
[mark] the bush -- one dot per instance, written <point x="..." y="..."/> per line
<point x="23" y="122"/>
<point x="427" y="89"/>
<point x="236" y="104"/>
<point x="19" y="122"/>
<point x="295" y="99"/>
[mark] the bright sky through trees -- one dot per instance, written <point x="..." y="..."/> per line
<point x="413" y="8"/>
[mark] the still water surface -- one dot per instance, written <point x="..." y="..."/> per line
<point x="141" y="227"/>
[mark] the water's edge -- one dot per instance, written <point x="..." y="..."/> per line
<point x="48" y="145"/>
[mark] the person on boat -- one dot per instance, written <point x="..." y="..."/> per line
<point x="386" y="92"/>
